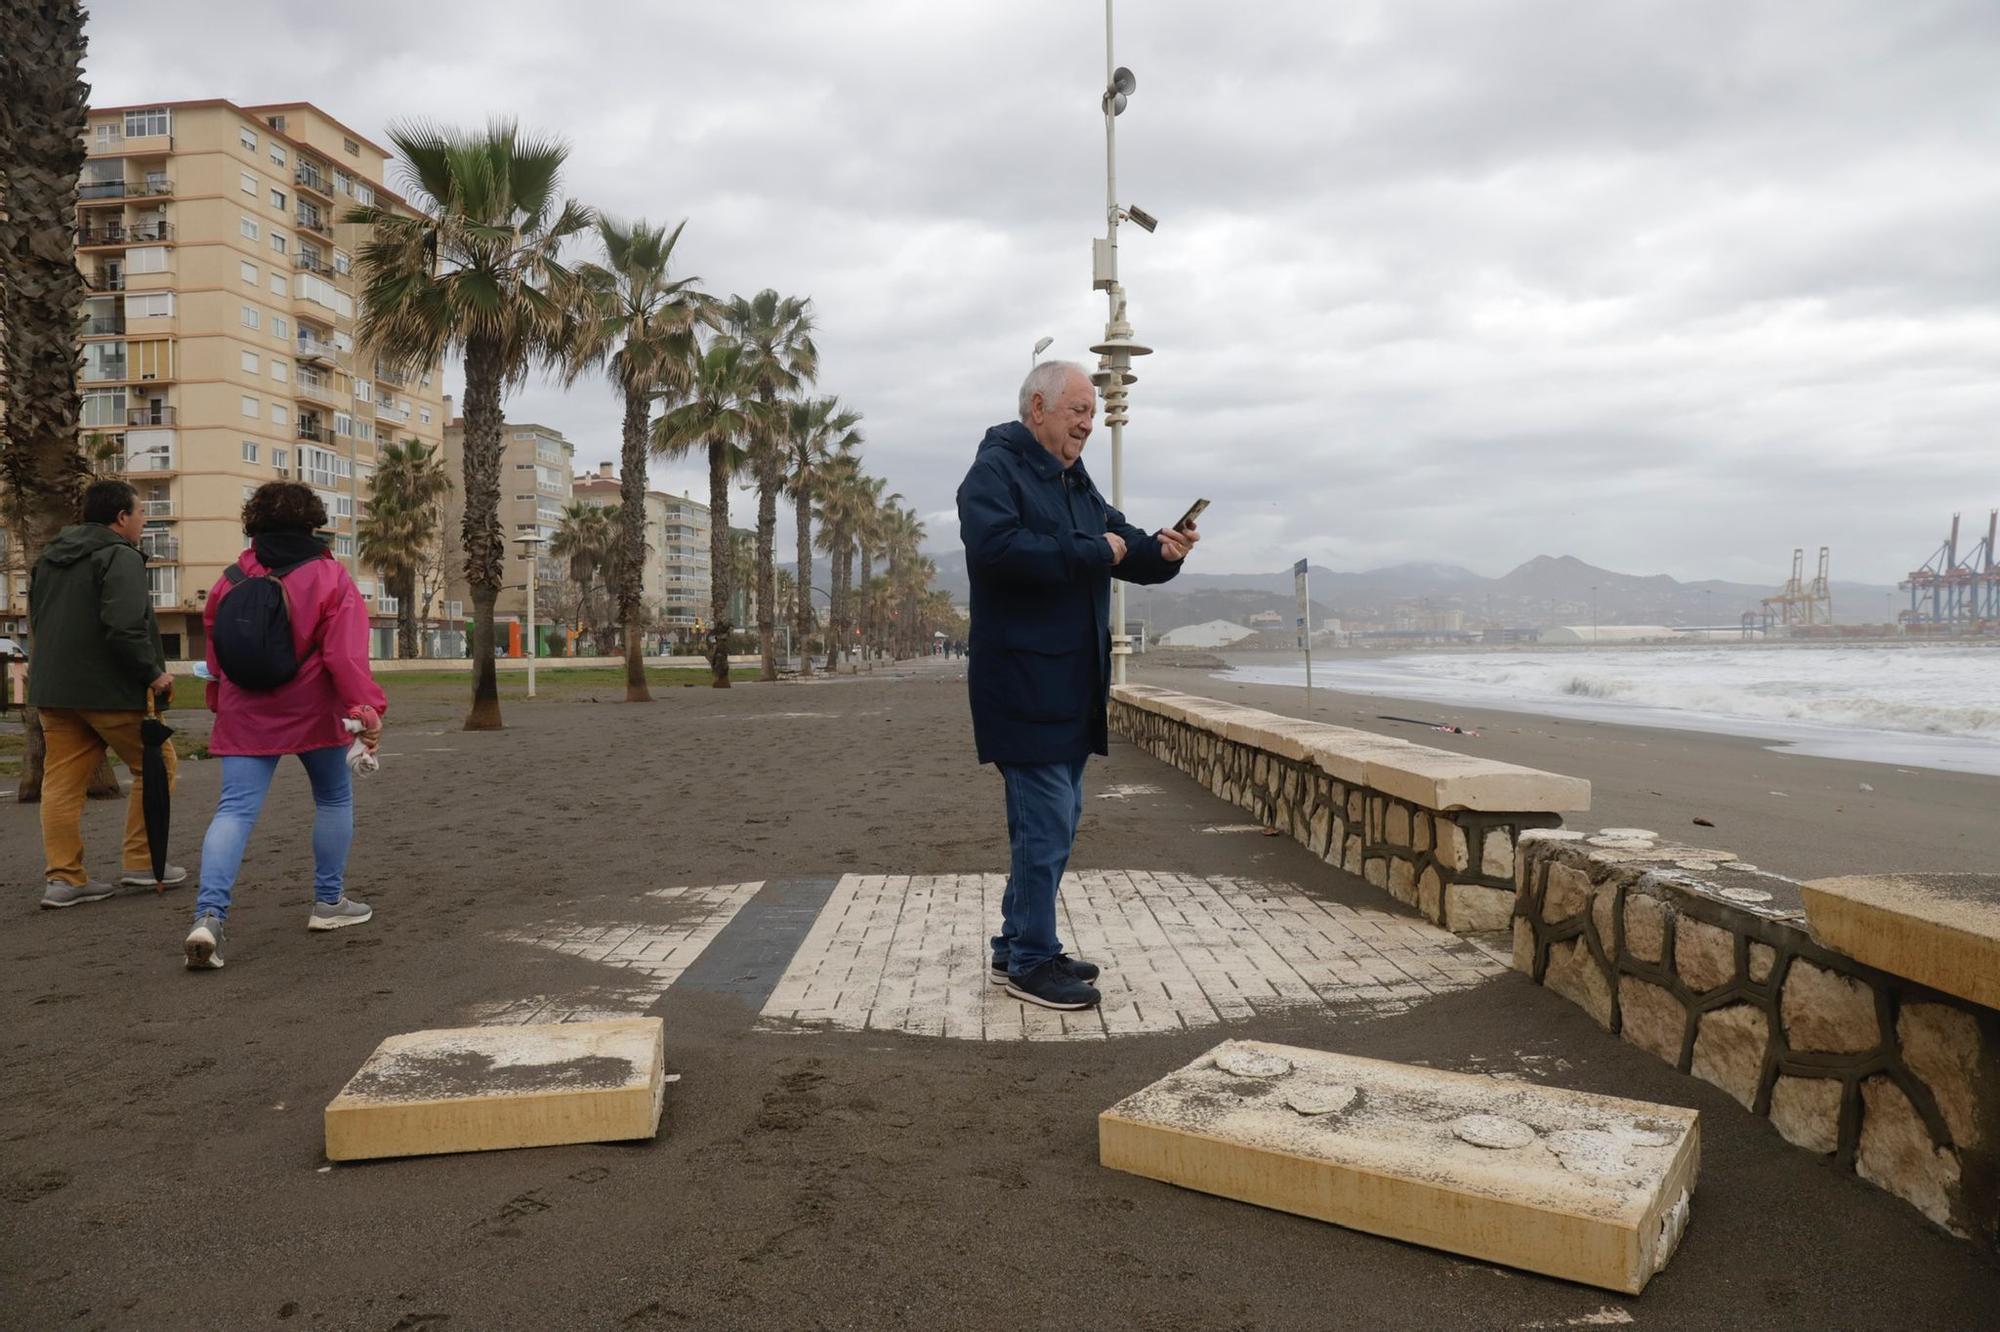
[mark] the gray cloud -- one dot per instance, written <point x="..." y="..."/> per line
<point x="1668" y="286"/>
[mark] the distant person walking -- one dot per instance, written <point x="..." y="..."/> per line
<point x="97" y="655"/>
<point x="1042" y="546"/>
<point x="288" y="660"/>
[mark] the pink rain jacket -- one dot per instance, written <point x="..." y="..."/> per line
<point x="306" y="711"/>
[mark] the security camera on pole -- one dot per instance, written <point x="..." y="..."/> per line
<point x="1114" y="375"/>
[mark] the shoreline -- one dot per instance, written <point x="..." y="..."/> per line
<point x="1799" y="815"/>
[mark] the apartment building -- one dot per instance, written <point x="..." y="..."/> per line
<point x="677" y="557"/>
<point x="536" y="465"/>
<point x="218" y="333"/>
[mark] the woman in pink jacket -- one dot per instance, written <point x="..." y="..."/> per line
<point x="306" y="715"/>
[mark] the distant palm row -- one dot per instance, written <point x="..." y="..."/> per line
<point x="480" y="272"/>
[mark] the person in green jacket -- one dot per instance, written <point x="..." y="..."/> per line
<point x="97" y="654"/>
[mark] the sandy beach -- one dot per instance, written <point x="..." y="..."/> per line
<point x="1797" y="815"/>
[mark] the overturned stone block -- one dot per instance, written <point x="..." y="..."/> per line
<point x="475" y="1089"/>
<point x="1584" y="1187"/>
<point x="1942" y="930"/>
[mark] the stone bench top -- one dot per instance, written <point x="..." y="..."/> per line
<point x="1434" y="778"/>
<point x="1940" y="929"/>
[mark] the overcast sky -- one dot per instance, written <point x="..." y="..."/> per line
<point x="1671" y="287"/>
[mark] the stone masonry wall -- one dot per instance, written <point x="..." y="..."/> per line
<point x="1680" y="952"/>
<point x="1456" y="867"/>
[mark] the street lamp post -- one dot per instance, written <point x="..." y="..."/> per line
<point x="1041" y="345"/>
<point x="1593" y="614"/>
<point x="531" y="544"/>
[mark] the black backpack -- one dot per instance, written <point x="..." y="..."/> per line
<point x="253" y="630"/>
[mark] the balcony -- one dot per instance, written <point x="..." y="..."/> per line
<point x="103" y="279"/>
<point x="103" y="326"/>
<point x="312" y="430"/>
<point x="386" y="374"/>
<point x="111" y="234"/>
<point x="316" y="349"/>
<point x="149" y="416"/>
<point x="153" y="187"/>
<point x="104" y="370"/>
<point x="317" y="387"/>
<point x="160" y="550"/>
<point x="308" y="177"/>
<point x="156" y="508"/>
<point x="307" y="263"/>
<point x="311" y="219"/>
<point x="389" y="411"/>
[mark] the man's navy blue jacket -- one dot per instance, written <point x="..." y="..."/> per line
<point x="1040" y="665"/>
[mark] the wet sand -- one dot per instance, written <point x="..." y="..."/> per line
<point x="1797" y="815"/>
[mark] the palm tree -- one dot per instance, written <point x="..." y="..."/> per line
<point x="644" y="327"/>
<point x="818" y="430"/>
<point x="583" y="539"/>
<point x="840" y="492"/>
<point x="778" y="358"/>
<point x="902" y="534"/>
<point x="870" y="522"/>
<point x="42" y="131"/>
<point x="402" y="525"/>
<point x="478" y="271"/>
<point x="714" y="416"/>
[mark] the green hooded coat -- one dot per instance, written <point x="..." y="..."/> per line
<point x="96" y="643"/>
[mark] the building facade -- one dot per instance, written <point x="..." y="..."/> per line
<point x="536" y="463"/>
<point x="218" y="334"/>
<point x="677" y="577"/>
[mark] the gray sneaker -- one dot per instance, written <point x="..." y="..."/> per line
<point x="204" y="944"/>
<point x="143" y="878"/>
<point x="57" y="894"/>
<point x="334" y="915"/>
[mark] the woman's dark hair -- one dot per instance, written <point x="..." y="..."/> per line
<point x="103" y="501"/>
<point x="283" y="506"/>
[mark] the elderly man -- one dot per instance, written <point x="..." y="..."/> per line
<point x="1042" y="546"/>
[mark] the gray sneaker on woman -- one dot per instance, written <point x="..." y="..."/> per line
<point x="334" y="915"/>
<point x="204" y="944"/>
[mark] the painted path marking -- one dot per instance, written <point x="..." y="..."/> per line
<point x="649" y="957"/>
<point x="909" y="953"/>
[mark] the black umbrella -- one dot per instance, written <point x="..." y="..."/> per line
<point x="158" y="797"/>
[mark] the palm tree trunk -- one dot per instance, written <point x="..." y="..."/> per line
<point x="719" y="572"/>
<point x="41" y="288"/>
<point x="632" y="542"/>
<point x="833" y="606"/>
<point x="480" y="531"/>
<point x="406" y="612"/>
<point x="804" y="613"/>
<point x="867" y="605"/>
<point x="767" y="591"/>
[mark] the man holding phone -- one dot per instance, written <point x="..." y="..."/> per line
<point x="97" y="656"/>
<point x="1042" y="546"/>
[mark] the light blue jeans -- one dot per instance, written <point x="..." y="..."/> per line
<point x="1044" y="805"/>
<point x="246" y="779"/>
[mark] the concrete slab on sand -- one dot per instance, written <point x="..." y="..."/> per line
<point x="472" y="1089"/>
<point x="1575" y="1185"/>
<point x="1940" y="929"/>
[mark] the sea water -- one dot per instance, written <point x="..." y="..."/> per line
<point x="1929" y="706"/>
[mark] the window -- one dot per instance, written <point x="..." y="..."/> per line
<point x="277" y="243"/>
<point x="277" y="153"/>
<point x="249" y="450"/>
<point x="343" y="544"/>
<point x="249" y="361"/>
<point x="248" y="138"/>
<point x="280" y="371"/>
<point x="153" y="120"/>
<point x="251" y="317"/>
<point x="248" y="226"/>
<point x="364" y="391"/>
<point x="250" y="407"/>
<point x="425" y="414"/>
<point x="343" y="506"/>
<point x="278" y="287"/>
<point x="104" y="407"/>
<point x="342" y="182"/>
<point x="280" y="457"/>
<point x="364" y="430"/>
<point x="364" y="194"/>
<point x="107" y="133"/>
<point x="248" y="271"/>
<point x="275" y="122"/>
<point x="279" y="328"/>
<point x="146" y="259"/>
<point x="351" y="147"/>
<point x="278" y="416"/>
<point x="248" y="182"/>
<point x="278" y="200"/>
<point x="149" y="305"/>
<point x="343" y="424"/>
<point x="342" y="263"/>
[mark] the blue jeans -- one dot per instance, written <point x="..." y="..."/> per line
<point x="1044" y="803"/>
<point x="246" y="779"/>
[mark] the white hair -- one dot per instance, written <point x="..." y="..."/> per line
<point x="1048" y="378"/>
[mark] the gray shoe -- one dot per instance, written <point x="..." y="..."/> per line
<point x="204" y="944"/>
<point x="56" y="893"/>
<point x="335" y="915"/>
<point x="143" y="878"/>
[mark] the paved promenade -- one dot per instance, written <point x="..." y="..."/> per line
<point x="799" y="880"/>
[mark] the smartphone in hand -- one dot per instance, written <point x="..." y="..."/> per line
<point x="1194" y="512"/>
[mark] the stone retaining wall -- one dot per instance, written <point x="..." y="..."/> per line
<point x="1357" y="800"/>
<point x="1681" y="952"/>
